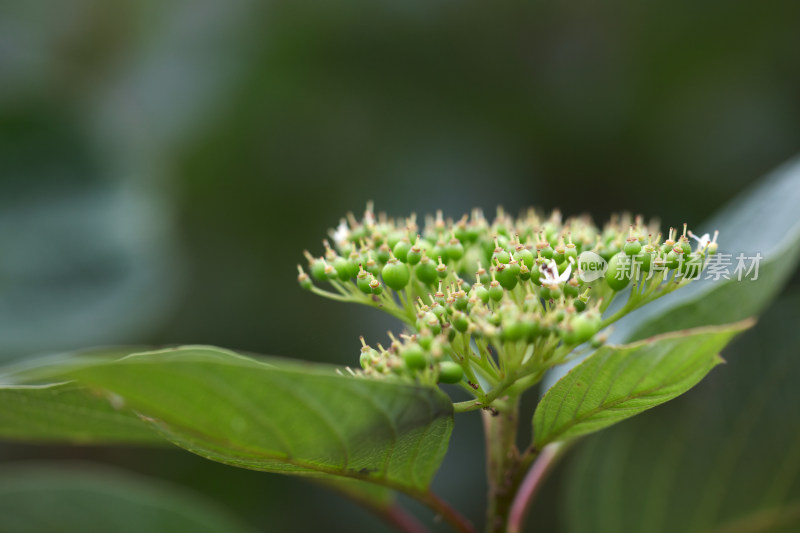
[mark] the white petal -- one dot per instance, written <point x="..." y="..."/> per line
<point x="341" y="234"/>
<point x="565" y="276"/>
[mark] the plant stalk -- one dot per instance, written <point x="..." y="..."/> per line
<point x="502" y="461"/>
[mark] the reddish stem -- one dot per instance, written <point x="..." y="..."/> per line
<point x="402" y="520"/>
<point x="529" y="488"/>
<point x="450" y="515"/>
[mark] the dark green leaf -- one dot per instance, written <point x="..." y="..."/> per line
<point x="69" y="498"/>
<point x="67" y="412"/>
<point x="283" y="417"/>
<point x="724" y="458"/>
<point x="617" y="382"/>
<point x="762" y="220"/>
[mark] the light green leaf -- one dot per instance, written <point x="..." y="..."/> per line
<point x="283" y="417"/>
<point x="68" y="413"/>
<point x="617" y="382"/>
<point x="43" y="498"/>
<point x="764" y="220"/>
<point x="724" y="458"/>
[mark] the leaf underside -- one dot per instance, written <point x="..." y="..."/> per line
<point x="268" y="414"/>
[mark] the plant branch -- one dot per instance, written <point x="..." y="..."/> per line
<point x="496" y="392"/>
<point x="401" y="519"/>
<point x="533" y="480"/>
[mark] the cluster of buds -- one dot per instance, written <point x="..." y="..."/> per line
<point x="484" y="301"/>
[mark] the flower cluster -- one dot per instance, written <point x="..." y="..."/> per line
<point x="489" y="304"/>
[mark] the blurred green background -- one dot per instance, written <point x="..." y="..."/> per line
<point x="164" y="164"/>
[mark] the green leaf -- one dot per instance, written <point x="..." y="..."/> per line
<point x="724" y="458"/>
<point x="68" y="413"/>
<point x="617" y="382"/>
<point x="763" y="219"/>
<point x="283" y="417"/>
<point x="43" y="498"/>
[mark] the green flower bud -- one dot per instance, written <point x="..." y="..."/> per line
<point x="441" y="269"/>
<point x="414" y="357"/>
<point x="632" y="247"/>
<point x="680" y="257"/>
<point x="572" y="288"/>
<point x="495" y="291"/>
<point x="394" y="237"/>
<point x="368" y="355"/>
<point x="500" y="255"/>
<point x="401" y="250"/>
<point x="371" y="266"/>
<point x="460" y="321"/>
<point x="461" y="301"/>
<point x="693" y="265"/>
<point x="439" y="250"/>
<point x="524" y="272"/>
<point x="425" y="271"/>
<point x="685" y="245"/>
<point x="342" y="267"/>
<point x="317" y="267"/>
<point x="303" y="279"/>
<point x="524" y="257"/>
<point x="536" y="271"/>
<point x="673" y="259"/>
<point x="330" y="272"/>
<point x="482" y="275"/>
<point x="506" y="276"/>
<point x="425" y="339"/>
<point x="395" y="275"/>
<point x="618" y="274"/>
<point x="481" y="293"/>
<point x="414" y="253"/>
<point x="584" y="326"/>
<point x="571" y="251"/>
<point x="560" y="253"/>
<point x="363" y="281"/>
<point x="433" y="324"/>
<point x="515" y="329"/>
<point x="645" y="259"/>
<point x="375" y="287"/>
<point x="438" y="310"/>
<point x="454" y="249"/>
<point x="383" y="254"/>
<point x="544" y="293"/>
<point x="543" y="247"/>
<point x="450" y="372"/>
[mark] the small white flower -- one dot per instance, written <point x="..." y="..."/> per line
<point x="551" y="277"/>
<point x="702" y="242"/>
<point x="341" y="234"/>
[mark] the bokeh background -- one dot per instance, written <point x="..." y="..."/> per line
<point x="164" y="164"/>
